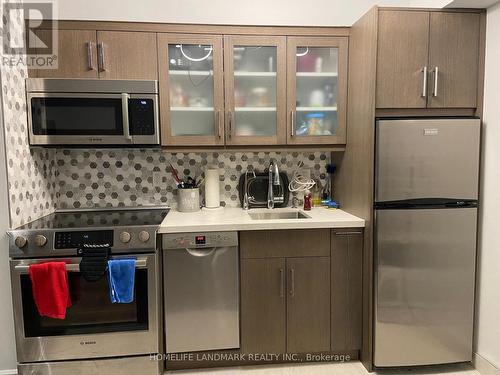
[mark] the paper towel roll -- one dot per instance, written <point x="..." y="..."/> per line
<point x="212" y="193"/>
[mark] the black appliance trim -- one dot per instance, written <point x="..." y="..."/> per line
<point x="426" y="203"/>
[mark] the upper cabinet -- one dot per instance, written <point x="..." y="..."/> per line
<point x="191" y="89"/>
<point x="127" y="55"/>
<point x="77" y="55"/>
<point x="255" y="90"/>
<point x="317" y="90"/>
<point x="427" y="59"/>
<point x="454" y="60"/>
<point x="103" y="54"/>
<point x="227" y="89"/>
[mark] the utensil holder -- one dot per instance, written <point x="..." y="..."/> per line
<point x="188" y="200"/>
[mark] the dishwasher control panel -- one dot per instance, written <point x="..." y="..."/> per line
<point x="199" y="240"/>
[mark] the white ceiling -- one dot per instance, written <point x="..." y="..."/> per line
<point x="242" y="12"/>
<point x="471" y="3"/>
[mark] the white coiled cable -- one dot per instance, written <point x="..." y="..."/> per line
<point x="300" y="183"/>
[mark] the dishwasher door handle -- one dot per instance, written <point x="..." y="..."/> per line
<point x="201" y="253"/>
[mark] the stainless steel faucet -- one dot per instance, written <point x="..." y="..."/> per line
<point x="274" y="180"/>
<point x="246" y="200"/>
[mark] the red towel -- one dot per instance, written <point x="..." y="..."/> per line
<point x="50" y="288"/>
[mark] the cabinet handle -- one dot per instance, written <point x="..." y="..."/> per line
<point x="292" y="123"/>
<point x="347" y="233"/>
<point x="282" y="281"/>
<point x="292" y="277"/>
<point x="90" y="56"/>
<point x="230" y="123"/>
<point x="436" y="79"/>
<point x="424" y="90"/>
<point x="217" y="123"/>
<point x="100" y="55"/>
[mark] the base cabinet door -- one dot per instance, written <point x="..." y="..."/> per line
<point x="308" y="304"/>
<point x="346" y="273"/>
<point x="263" y="328"/>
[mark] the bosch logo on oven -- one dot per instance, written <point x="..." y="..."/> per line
<point x="88" y="343"/>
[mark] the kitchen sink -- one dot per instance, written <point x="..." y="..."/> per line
<point x="276" y="215"/>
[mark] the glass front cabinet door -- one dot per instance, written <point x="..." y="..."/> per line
<point x="255" y="90"/>
<point x="191" y="89"/>
<point x="317" y="90"/>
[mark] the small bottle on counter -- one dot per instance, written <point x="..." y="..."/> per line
<point x="307" y="201"/>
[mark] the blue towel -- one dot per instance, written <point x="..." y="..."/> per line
<point x="121" y="275"/>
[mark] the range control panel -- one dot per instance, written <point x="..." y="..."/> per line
<point x="74" y="240"/>
<point x="200" y="240"/>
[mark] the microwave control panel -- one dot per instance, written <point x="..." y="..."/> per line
<point x="141" y="116"/>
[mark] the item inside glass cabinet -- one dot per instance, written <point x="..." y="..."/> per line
<point x="314" y="124"/>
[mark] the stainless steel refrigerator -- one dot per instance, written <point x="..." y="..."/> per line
<point x="426" y="192"/>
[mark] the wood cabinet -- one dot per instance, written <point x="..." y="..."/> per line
<point x="76" y="56"/>
<point x="227" y="87"/>
<point x="316" y="90"/>
<point x="261" y="95"/>
<point x="255" y="90"/>
<point x="308" y="304"/>
<point x="263" y="305"/>
<point x="127" y="55"/>
<point x="403" y="50"/>
<point x="427" y="59"/>
<point x="191" y="89"/>
<point x="454" y="60"/>
<point x="346" y="287"/>
<point x="102" y="54"/>
<point x="285" y="298"/>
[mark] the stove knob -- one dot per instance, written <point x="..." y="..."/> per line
<point x="144" y="236"/>
<point x="21" y="242"/>
<point x="40" y="240"/>
<point x="125" y="237"/>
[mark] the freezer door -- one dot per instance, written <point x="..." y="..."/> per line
<point x="425" y="276"/>
<point x="427" y="159"/>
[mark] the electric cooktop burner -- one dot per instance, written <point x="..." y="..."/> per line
<point x="99" y="219"/>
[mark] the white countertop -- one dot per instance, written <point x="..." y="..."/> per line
<point x="236" y="219"/>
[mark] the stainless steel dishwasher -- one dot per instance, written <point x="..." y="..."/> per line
<point x="201" y="284"/>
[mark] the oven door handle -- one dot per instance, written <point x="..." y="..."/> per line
<point x="75" y="267"/>
<point x="125" y="116"/>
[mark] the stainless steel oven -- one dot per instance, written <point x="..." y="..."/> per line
<point x="82" y="112"/>
<point x="94" y="327"/>
<point x="96" y="336"/>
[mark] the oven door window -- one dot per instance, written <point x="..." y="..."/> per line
<point x="76" y="116"/>
<point x="91" y="310"/>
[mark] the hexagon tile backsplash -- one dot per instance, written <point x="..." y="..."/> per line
<point x="132" y="177"/>
<point x="30" y="173"/>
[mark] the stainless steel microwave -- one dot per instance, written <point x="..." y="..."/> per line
<point x="92" y="112"/>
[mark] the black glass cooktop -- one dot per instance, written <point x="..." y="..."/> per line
<point x="99" y="219"/>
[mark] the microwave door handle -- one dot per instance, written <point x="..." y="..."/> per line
<point x="126" y="122"/>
